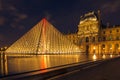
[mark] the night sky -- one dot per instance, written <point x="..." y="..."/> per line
<point x="18" y="16"/>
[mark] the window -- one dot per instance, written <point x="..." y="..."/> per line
<point x="116" y="46"/>
<point x="110" y="37"/>
<point x="87" y="39"/>
<point x="103" y="46"/>
<point x="93" y="40"/>
<point x="110" y="46"/>
<point x="99" y="38"/>
<point x="117" y="38"/>
<point x="103" y="32"/>
<point x="104" y="38"/>
<point x="117" y="30"/>
<point x="110" y="31"/>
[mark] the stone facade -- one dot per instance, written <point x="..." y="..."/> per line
<point x="93" y="38"/>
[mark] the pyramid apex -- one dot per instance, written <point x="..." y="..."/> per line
<point x="44" y="19"/>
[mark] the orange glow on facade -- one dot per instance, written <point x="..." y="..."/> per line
<point x="93" y="38"/>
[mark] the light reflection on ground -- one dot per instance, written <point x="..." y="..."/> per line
<point x="19" y="64"/>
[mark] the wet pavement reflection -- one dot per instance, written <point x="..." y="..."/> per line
<point x="13" y="64"/>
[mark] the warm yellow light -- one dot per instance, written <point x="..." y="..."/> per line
<point x="103" y="56"/>
<point x="94" y="57"/>
<point x="94" y="48"/>
<point x="119" y="48"/>
<point x="111" y="56"/>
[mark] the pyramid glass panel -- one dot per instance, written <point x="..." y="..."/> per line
<point x="43" y="38"/>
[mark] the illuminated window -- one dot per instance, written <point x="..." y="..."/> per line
<point x="110" y="37"/>
<point x="110" y="46"/>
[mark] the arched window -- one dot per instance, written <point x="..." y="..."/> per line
<point x="116" y="46"/>
<point x="104" y="38"/>
<point x="103" y="46"/>
<point x="87" y="39"/>
<point x="93" y="40"/>
<point x="110" y="37"/>
<point x="110" y="46"/>
<point x="99" y="38"/>
<point x="117" y="37"/>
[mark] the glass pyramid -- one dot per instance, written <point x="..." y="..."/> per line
<point x="43" y="38"/>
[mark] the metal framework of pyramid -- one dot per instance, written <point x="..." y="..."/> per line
<point x="43" y="38"/>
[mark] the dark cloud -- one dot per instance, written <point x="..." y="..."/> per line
<point x="21" y="27"/>
<point x="1" y="5"/>
<point x="11" y="15"/>
<point x="13" y="25"/>
<point x="111" y="7"/>
<point x="12" y="8"/>
<point x="3" y="40"/>
<point x="2" y="20"/>
<point x="22" y="16"/>
<point x="2" y="37"/>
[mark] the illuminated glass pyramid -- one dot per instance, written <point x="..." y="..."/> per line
<point x="43" y="38"/>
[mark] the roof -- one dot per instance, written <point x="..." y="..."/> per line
<point x="89" y="16"/>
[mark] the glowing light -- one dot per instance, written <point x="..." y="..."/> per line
<point x="94" y="48"/>
<point x="43" y="38"/>
<point x="103" y="56"/>
<point x="94" y="57"/>
<point x="111" y="55"/>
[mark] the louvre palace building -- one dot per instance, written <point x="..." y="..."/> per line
<point x="95" y="38"/>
